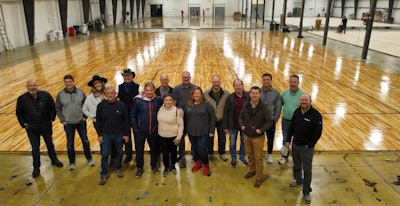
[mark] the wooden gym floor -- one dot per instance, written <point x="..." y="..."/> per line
<point x="358" y="100"/>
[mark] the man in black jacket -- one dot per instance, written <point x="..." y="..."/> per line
<point x="126" y="92"/>
<point x="305" y="129"/>
<point x="112" y="125"/>
<point x="164" y="87"/>
<point x="35" y="112"/>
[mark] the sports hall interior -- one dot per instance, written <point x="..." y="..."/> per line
<point x="356" y="161"/>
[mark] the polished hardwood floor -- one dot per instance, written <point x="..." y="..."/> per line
<point x="358" y="101"/>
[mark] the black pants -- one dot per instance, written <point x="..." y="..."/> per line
<point x="34" y="138"/>
<point x="270" y="133"/>
<point x="168" y="149"/>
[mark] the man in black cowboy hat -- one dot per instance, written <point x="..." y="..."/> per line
<point x="126" y="92"/>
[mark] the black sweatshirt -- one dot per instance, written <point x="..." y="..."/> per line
<point x="306" y="128"/>
<point x="112" y="117"/>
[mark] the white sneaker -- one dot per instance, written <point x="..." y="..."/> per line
<point x="282" y="160"/>
<point x="223" y="157"/>
<point x="91" y="163"/>
<point x="270" y="160"/>
<point x="71" y="166"/>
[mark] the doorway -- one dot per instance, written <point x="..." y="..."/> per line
<point x="194" y="11"/>
<point x="219" y="11"/>
<point x="156" y="10"/>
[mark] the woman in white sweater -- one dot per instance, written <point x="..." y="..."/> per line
<point x="95" y="97"/>
<point x="170" y="129"/>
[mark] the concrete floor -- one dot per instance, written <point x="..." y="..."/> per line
<point x="338" y="179"/>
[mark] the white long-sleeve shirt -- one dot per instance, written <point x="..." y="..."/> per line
<point x="90" y="106"/>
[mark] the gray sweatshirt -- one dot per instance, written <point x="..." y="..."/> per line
<point x="69" y="106"/>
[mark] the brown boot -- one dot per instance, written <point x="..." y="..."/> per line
<point x="249" y="174"/>
<point x="197" y="166"/>
<point x="258" y="183"/>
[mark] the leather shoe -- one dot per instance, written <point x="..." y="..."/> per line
<point x="128" y="159"/>
<point x="58" y="163"/>
<point x="103" y="180"/>
<point x="36" y="172"/>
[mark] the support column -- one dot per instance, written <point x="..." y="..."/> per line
<point x="114" y="11"/>
<point x="29" y="9"/>
<point x="143" y="4"/>
<point x="390" y="10"/>
<point x="301" y="19"/>
<point x="124" y="11"/>
<point x="273" y="10"/>
<point x="369" y="30"/>
<point x="137" y="8"/>
<point x="355" y="9"/>
<point x="131" y="3"/>
<point x="283" y="17"/>
<point x="263" y="19"/>
<point x="103" y="11"/>
<point x="328" y="17"/>
<point x="86" y="9"/>
<point x="342" y="9"/>
<point x="63" y="7"/>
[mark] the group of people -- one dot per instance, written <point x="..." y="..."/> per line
<point x="165" y="115"/>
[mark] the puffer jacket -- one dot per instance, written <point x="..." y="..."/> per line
<point x="144" y="113"/>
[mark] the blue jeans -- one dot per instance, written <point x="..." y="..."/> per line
<point x="302" y="163"/>
<point x="154" y="144"/>
<point x="182" y="146"/>
<point x="128" y="147"/>
<point x="221" y="140"/>
<point x="200" y="147"/>
<point x="70" y="131"/>
<point x="233" y="133"/>
<point x="111" y="140"/>
<point x="285" y="129"/>
<point x="34" y="138"/>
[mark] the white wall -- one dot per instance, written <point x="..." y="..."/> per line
<point x="172" y="8"/>
<point x="46" y="21"/>
<point x="14" y="21"/>
<point x="94" y="11"/>
<point x="47" y="16"/>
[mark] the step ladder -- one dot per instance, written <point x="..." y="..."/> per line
<point x="3" y="34"/>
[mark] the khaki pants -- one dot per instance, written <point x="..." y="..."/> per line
<point x="254" y="148"/>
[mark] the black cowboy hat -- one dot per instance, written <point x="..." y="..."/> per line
<point x="96" y="77"/>
<point x="129" y="71"/>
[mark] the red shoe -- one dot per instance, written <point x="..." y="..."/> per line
<point x="197" y="166"/>
<point x="206" y="170"/>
